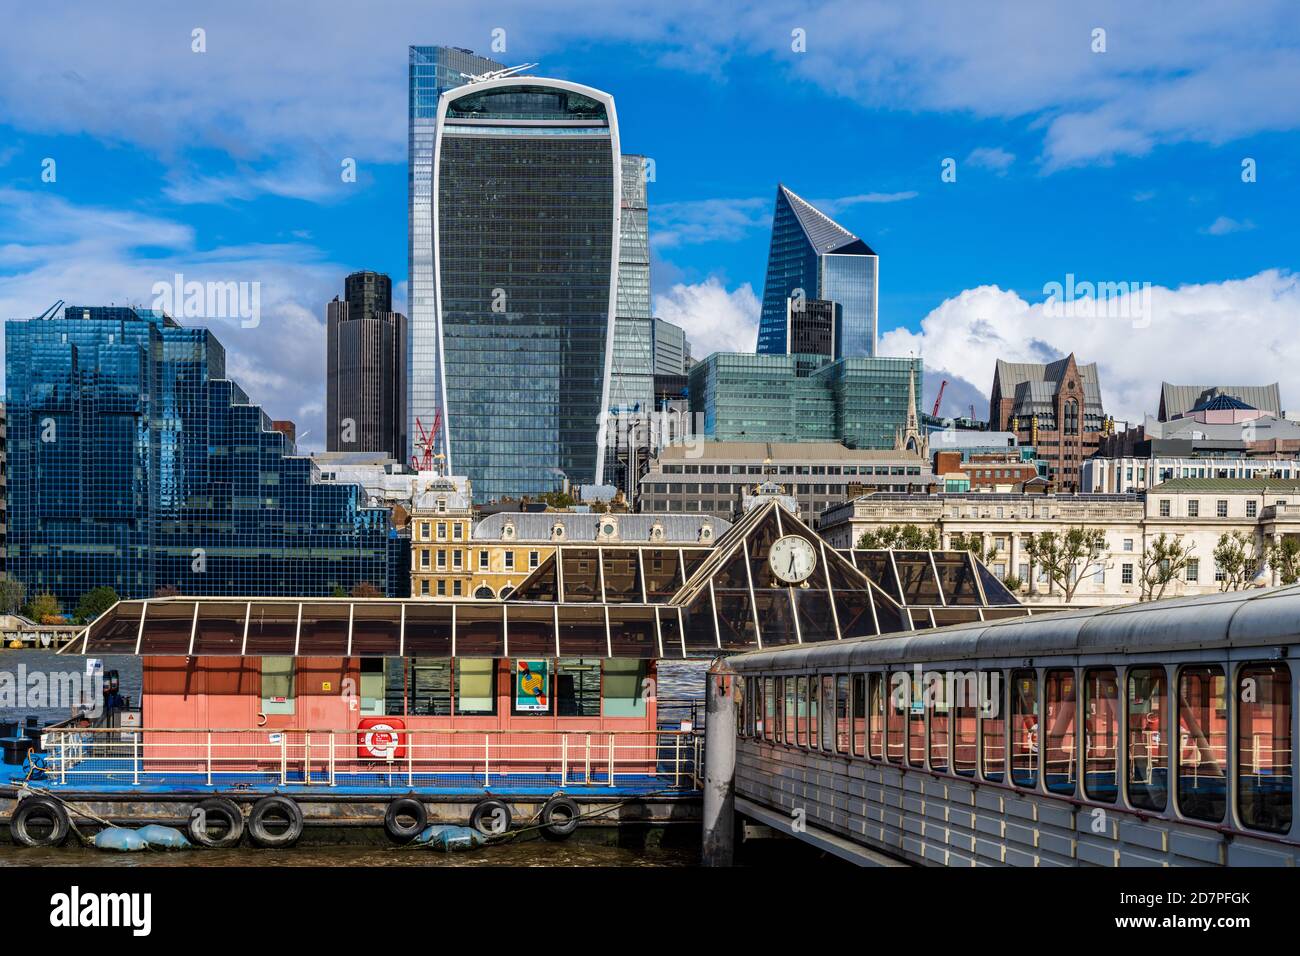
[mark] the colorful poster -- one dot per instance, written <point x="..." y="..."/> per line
<point x="532" y="686"/>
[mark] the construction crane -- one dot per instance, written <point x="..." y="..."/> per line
<point x="426" y="441"/>
<point x="939" y="398"/>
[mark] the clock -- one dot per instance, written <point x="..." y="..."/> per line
<point x="792" y="559"/>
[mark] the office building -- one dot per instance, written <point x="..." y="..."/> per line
<point x="814" y="257"/>
<point x="526" y="224"/>
<point x="135" y="463"/>
<point x="713" y="476"/>
<point x="672" y="350"/>
<point x="431" y="71"/>
<point x="811" y="327"/>
<point x="1055" y="407"/>
<point x="365" y="405"/>
<point x="859" y="402"/>
<point x="631" y="383"/>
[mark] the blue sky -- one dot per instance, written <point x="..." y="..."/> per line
<point x="1115" y="166"/>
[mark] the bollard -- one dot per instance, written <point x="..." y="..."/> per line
<point x="722" y="693"/>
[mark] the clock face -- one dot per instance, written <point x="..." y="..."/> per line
<point x="792" y="559"/>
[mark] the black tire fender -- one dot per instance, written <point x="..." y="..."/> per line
<point x="490" y="817"/>
<point x="221" y="807"/>
<point x="272" y="808"/>
<point x="398" y="831"/>
<point x="560" y="818"/>
<point x="38" y="808"/>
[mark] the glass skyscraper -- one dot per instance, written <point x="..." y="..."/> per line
<point x="432" y="71"/>
<point x="859" y="402"/>
<point x="526" y="228"/>
<point x="135" y="463"/>
<point x="813" y="257"/>
<point x="631" y="386"/>
<point x="365" y="368"/>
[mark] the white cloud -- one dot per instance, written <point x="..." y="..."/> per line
<point x="1239" y="330"/>
<point x="88" y="255"/>
<point x="993" y="158"/>
<point x="1224" y="225"/>
<point x="706" y="220"/>
<point x="715" y="319"/>
<point x="276" y="83"/>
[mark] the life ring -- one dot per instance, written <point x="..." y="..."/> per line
<point x="490" y="817"/>
<point x="38" y="808"/>
<point x="269" y="811"/>
<point x="559" y="818"/>
<point x="405" y="808"/>
<point x="230" y="820"/>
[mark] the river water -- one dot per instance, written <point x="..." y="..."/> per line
<point x="678" y="680"/>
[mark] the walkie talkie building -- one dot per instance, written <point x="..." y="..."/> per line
<point x="526" y="217"/>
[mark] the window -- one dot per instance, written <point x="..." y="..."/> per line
<point x="1128" y="544"/>
<point x="475" y="685"/>
<point x="1252" y="509"/>
<point x="457" y="531"/>
<point x="442" y="559"/>
<point x="1193" y="509"/>
<point x="1148" y="755"/>
<point x="965" y="725"/>
<point x="442" y="587"/>
<point x="1264" y="772"/>
<point x="993" y="727"/>
<point x="916" y="724"/>
<point x="424" y="558"/>
<point x="813" y="712"/>
<point x="840" y="713"/>
<point x="938" y="704"/>
<point x="778" y="721"/>
<point x="801" y="720"/>
<point x="1193" y="571"/>
<point x="278" y="685"/>
<point x="769" y="708"/>
<point x="424" y="586"/>
<point x="1024" y="728"/>
<point x="442" y="531"/>
<point x="1101" y="734"/>
<point x="1060" y="763"/>
<point x="859" y="747"/>
<point x="424" y="530"/>
<point x="455" y="588"/>
<point x="876" y="718"/>
<point x="510" y="560"/>
<point x="534" y="560"/>
<point x="482" y="560"/>
<point x="1164" y="507"/>
<point x="1221" y="508"/>
<point x="371" y="687"/>
<point x="1126" y="574"/>
<point x="456" y="559"/>
<point x="428" y="689"/>
<point x="577" y="687"/>
<point x="1202" y="743"/>
<point x="792" y="709"/>
<point x="898" y="705"/>
<point x="622" y="690"/>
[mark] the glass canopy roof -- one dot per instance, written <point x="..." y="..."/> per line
<point x="637" y="601"/>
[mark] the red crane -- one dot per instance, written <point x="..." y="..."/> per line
<point x="939" y="398"/>
<point x="425" y="443"/>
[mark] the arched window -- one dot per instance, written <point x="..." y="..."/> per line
<point x="484" y="593"/>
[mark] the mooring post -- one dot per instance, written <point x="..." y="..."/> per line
<point x="720" y="702"/>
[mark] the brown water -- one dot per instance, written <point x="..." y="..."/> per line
<point x="531" y="853"/>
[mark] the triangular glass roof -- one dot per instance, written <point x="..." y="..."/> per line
<point x="823" y="232"/>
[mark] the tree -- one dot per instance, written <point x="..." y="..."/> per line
<point x="364" y="589"/>
<point x="338" y="591"/>
<point x="974" y="543"/>
<point x="899" y="537"/>
<point x="1164" y="560"/>
<point x="1012" y="583"/>
<point x="1235" y="556"/>
<point x="1069" y="557"/>
<point x="44" y="608"/>
<point x="95" y="602"/>
<point x="1285" y="559"/>
<point x="12" y="593"/>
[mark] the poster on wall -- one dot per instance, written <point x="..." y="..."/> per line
<point x="532" y="686"/>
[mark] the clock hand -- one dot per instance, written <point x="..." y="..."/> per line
<point x="792" y="562"/>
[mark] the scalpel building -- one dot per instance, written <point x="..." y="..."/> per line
<point x="526" y="222"/>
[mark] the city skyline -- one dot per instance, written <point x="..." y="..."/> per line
<point x="1035" y="163"/>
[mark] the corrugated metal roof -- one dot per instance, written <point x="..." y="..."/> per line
<point x="1178" y="400"/>
<point x="537" y="526"/>
<point x="1228" y="484"/>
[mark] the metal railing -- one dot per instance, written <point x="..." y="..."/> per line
<point x="461" y="759"/>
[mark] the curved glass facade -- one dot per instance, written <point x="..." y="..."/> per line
<point x="527" y="260"/>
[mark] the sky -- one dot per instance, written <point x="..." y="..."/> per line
<point x="985" y="151"/>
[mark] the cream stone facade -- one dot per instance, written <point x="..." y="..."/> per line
<point x="1201" y="510"/>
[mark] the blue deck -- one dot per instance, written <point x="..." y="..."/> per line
<point x="106" y="776"/>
